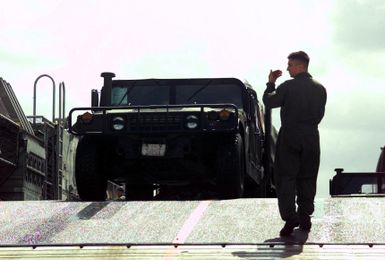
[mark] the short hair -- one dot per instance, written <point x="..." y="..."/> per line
<point x="300" y="56"/>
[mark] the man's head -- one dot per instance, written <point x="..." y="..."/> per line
<point x="298" y="63"/>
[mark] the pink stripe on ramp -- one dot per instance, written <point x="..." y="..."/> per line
<point x="190" y="223"/>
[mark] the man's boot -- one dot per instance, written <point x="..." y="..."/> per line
<point x="288" y="228"/>
<point x="304" y="223"/>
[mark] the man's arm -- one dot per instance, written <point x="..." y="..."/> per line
<point x="273" y="97"/>
<point x="323" y="104"/>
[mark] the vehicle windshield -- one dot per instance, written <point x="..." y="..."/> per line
<point x="178" y="94"/>
<point x="140" y="95"/>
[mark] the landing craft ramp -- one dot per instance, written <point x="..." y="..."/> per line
<point x="228" y="229"/>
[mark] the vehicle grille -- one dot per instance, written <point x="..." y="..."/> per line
<point x="155" y="122"/>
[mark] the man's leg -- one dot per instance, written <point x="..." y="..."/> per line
<point x="307" y="180"/>
<point x="286" y="169"/>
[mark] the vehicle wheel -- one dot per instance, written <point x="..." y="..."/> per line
<point x="91" y="182"/>
<point x="139" y="192"/>
<point x="231" y="168"/>
<point x="262" y="188"/>
<point x="270" y="185"/>
<point x="251" y="188"/>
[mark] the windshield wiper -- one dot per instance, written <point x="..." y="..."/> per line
<point x="126" y="94"/>
<point x="199" y="90"/>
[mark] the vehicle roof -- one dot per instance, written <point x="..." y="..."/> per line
<point x="180" y="81"/>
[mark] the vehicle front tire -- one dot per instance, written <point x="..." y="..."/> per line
<point x="91" y="182"/>
<point x="231" y="168"/>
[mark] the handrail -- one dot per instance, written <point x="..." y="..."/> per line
<point x="53" y="96"/>
<point x="62" y="106"/>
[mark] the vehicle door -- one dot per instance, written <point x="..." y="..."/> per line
<point x="255" y="136"/>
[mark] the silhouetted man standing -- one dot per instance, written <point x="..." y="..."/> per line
<point x="302" y="101"/>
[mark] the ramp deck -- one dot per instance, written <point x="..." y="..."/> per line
<point x="240" y="228"/>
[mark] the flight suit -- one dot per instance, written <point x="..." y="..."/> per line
<point x="302" y="101"/>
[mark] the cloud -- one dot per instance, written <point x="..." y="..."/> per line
<point x="360" y="25"/>
<point x="358" y="38"/>
<point x="8" y="58"/>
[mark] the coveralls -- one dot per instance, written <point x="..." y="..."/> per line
<point x="302" y="101"/>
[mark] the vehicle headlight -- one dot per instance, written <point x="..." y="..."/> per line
<point x="192" y="121"/>
<point x="224" y="115"/>
<point x="118" y="123"/>
<point x="86" y="117"/>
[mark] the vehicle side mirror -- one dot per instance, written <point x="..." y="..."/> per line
<point x="252" y="105"/>
<point x="94" y="98"/>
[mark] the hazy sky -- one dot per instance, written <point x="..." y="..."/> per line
<point x="74" y="41"/>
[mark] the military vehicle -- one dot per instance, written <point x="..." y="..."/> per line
<point x="360" y="183"/>
<point x="151" y="134"/>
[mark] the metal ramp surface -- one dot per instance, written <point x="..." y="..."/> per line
<point x="10" y="107"/>
<point x="242" y="229"/>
